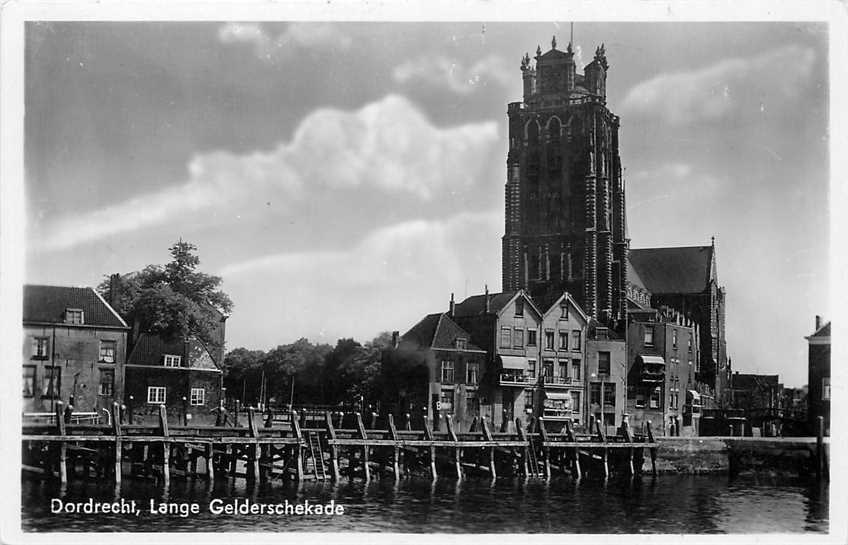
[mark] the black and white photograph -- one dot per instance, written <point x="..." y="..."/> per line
<point x="412" y="273"/>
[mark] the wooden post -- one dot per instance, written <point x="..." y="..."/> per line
<point x="546" y="451"/>
<point x="210" y="461"/>
<point x="604" y="449"/>
<point x="428" y="435"/>
<point x="166" y="445"/>
<point x="523" y="437"/>
<point x="63" y="446"/>
<point x="407" y="424"/>
<point x="373" y="421"/>
<point x="297" y="448"/>
<point x="362" y="433"/>
<point x="252" y="467"/>
<point x="576" y="463"/>
<point x="487" y="435"/>
<point x="236" y="414"/>
<point x="457" y="450"/>
<point x="116" y="428"/>
<point x="653" y="450"/>
<point x="396" y="459"/>
<point x="334" y="450"/>
<point x="820" y="459"/>
<point x="625" y="428"/>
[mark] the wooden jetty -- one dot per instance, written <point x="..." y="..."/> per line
<point x="340" y="447"/>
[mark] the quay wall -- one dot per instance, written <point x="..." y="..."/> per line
<point x="693" y="455"/>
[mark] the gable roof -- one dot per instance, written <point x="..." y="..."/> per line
<point x="149" y="349"/>
<point x="476" y="304"/>
<point x="555" y="304"/>
<point x="438" y="331"/>
<point x="47" y="304"/>
<point x="684" y="269"/>
<point x="823" y="331"/>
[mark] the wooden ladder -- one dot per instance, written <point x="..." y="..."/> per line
<point x="317" y="455"/>
<point x="534" y="462"/>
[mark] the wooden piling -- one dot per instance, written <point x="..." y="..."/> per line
<point x="166" y="445"/>
<point x="487" y="435"/>
<point x="604" y="449"/>
<point x="457" y="450"/>
<point x="210" y="461"/>
<point x="428" y="435"/>
<point x="653" y="450"/>
<point x="252" y="467"/>
<point x="523" y="437"/>
<point x="116" y="429"/>
<point x="63" y="447"/>
<point x="364" y="435"/>
<point x="821" y="467"/>
<point x="575" y="468"/>
<point x="546" y="451"/>
<point x="625" y="429"/>
<point x="396" y="459"/>
<point x="297" y="449"/>
<point x="334" y="450"/>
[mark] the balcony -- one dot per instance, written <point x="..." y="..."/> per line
<point x="562" y="382"/>
<point x="516" y="378"/>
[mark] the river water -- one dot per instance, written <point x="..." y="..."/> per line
<point x="664" y="504"/>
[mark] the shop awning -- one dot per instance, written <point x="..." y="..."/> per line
<point x="559" y="396"/>
<point x="658" y="360"/>
<point x="514" y="362"/>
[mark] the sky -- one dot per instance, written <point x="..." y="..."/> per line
<point x="345" y="178"/>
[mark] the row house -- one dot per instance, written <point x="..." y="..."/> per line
<point x="818" y="373"/>
<point x="606" y="377"/>
<point x="662" y="361"/>
<point x="73" y="350"/>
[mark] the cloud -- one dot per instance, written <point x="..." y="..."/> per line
<point x="295" y="37"/>
<point x="387" y="146"/>
<point x="442" y="72"/>
<point x="725" y="90"/>
<point x="390" y="279"/>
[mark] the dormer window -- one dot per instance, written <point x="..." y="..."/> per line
<point x="461" y="344"/>
<point x="74" y="316"/>
<point x="172" y="360"/>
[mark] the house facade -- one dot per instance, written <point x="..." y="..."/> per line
<point x="818" y="376"/>
<point x="662" y="360"/>
<point x="73" y="351"/>
<point x="606" y="378"/>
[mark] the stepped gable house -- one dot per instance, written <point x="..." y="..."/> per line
<point x="74" y="348"/>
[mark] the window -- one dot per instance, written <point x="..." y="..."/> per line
<point x="472" y="405"/>
<point x="654" y="402"/>
<point x="689" y="342"/>
<point x="74" y="316"/>
<point x="472" y="373"/>
<point x="563" y="340"/>
<point x="825" y="388"/>
<point x="609" y="393"/>
<point x="107" y="382"/>
<point x="446" y="400"/>
<point x="518" y="338"/>
<point x="531" y="368"/>
<point x="519" y="307"/>
<point x="172" y="360"/>
<point x="575" y="341"/>
<point x="549" y="340"/>
<point x="531" y="337"/>
<point x="575" y="369"/>
<point x="528" y="400"/>
<point x="107" y="351"/>
<point x="563" y="368"/>
<point x="595" y="393"/>
<point x="548" y="368"/>
<point x="649" y="336"/>
<point x="506" y="337"/>
<point x="40" y="348"/>
<point x="563" y="312"/>
<point x="575" y="402"/>
<point x="674" y="337"/>
<point x="156" y="394"/>
<point x="461" y="344"/>
<point x="447" y="372"/>
<point x="604" y="363"/>
<point x="198" y="396"/>
<point x="29" y="381"/>
<point x="51" y="385"/>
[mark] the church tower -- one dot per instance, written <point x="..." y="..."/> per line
<point x="565" y="213"/>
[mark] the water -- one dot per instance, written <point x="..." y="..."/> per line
<point x="665" y="504"/>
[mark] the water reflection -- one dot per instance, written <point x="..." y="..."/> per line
<point x="664" y="504"/>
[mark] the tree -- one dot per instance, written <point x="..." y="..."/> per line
<point x="174" y="301"/>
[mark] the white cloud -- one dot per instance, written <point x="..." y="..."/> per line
<point x="389" y="280"/>
<point x="296" y="37"/>
<point x="387" y="146"/>
<point x="442" y="72"/>
<point x="729" y="88"/>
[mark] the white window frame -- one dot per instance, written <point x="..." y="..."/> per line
<point x="69" y="312"/>
<point x="104" y="343"/>
<point x="197" y="396"/>
<point x="37" y="344"/>
<point x="153" y="395"/>
<point x="170" y="359"/>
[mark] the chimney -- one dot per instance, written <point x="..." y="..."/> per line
<point x="114" y="290"/>
<point x="818" y="322"/>
<point x="395" y="339"/>
<point x="452" y="306"/>
<point x="488" y="301"/>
